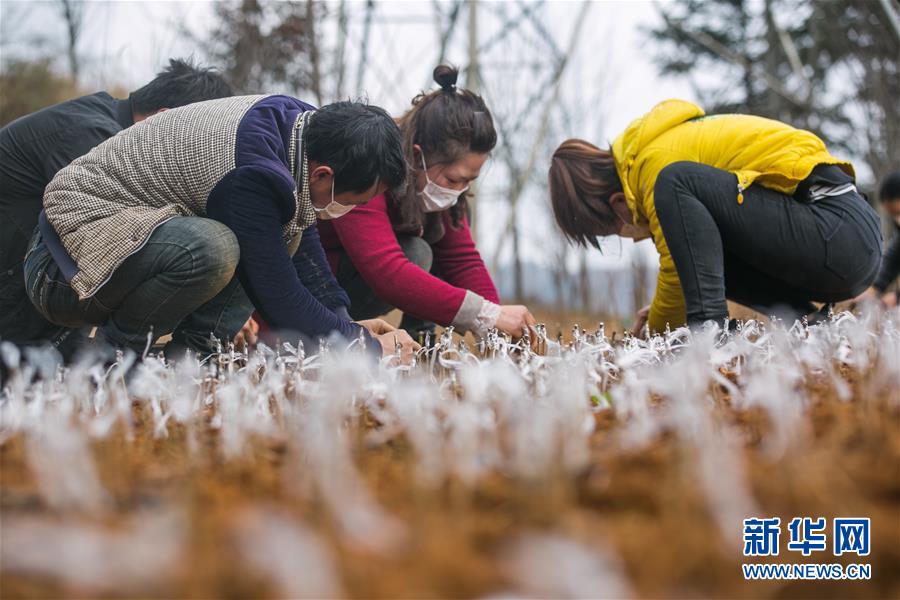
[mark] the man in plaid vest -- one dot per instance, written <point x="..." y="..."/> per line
<point x="185" y="222"/>
<point x="35" y="147"/>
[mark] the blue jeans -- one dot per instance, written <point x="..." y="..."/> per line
<point x="182" y="281"/>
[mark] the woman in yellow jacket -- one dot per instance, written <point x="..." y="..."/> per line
<point x="739" y="207"/>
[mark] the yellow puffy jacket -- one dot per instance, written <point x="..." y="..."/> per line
<point x="755" y="149"/>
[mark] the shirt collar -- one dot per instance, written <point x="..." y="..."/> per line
<point x="124" y="114"/>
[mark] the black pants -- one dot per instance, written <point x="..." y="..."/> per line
<point x="772" y="253"/>
<point x="364" y="304"/>
<point x="20" y="322"/>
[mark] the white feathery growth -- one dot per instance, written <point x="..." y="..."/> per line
<point x="552" y="566"/>
<point x="501" y="408"/>
<point x="274" y="544"/>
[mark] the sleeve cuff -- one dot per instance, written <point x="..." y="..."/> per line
<point x="475" y="314"/>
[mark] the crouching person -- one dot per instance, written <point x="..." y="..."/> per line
<point x="187" y="221"/>
<point x="739" y="207"/>
<point x="412" y="249"/>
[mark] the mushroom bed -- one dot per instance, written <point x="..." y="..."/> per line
<point x="577" y="467"/>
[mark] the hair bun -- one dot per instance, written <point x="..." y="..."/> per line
<point x="446" y="77"/>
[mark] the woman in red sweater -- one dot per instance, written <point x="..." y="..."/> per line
<point x="412" y="249"/>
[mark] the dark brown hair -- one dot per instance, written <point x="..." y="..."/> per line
<point x="447" y="123"/>
<point x="582" y="179"/>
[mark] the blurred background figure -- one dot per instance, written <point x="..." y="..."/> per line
<point x="889" y="196"/>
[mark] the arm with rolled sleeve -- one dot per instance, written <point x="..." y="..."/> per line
<point x="460" y="264"/>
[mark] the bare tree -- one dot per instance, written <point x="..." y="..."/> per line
<point x="522" y="172"/>
<point x="73" y="15"/>
<point x="340" y="63"/>
<point x="263" y="46"/>
<point x="364" y="46"/>
<point x="315" y="72"/>
<point x="785" y="69"/>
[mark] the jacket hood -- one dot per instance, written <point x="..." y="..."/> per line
<point x="643" y="130"/>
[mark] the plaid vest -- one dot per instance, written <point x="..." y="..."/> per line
<point x="106" y="204"/>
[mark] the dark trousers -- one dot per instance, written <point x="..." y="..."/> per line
<point x="19" y="320"/>
<point x="180" y="282"/>
<point x="364" y="304"/>
<point x="772" y="253"/>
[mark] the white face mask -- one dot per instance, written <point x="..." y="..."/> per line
<point x="437" y="198"/>
<point x="333" y="210"/>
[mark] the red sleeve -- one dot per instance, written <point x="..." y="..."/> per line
<point x="366" y="235"/>
<point x="460" y="263"/>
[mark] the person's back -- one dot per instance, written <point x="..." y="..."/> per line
<point x="25" y="169"/>
<point x="32" y="149"/>
<point x="35" y="147"/>
<point x="755" y="149"/>
<point x="163" y="167"/>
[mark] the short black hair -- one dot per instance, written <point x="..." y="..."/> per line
<point x="890" y="187"/>
<point x="181" y="83"/>
<point x="360" y="142"/>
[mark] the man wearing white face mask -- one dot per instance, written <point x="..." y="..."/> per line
<point x="334" y="209"/>
<point x="412" y="249"/>
<point x="186" y="222"/>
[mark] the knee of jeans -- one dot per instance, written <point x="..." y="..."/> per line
<point x="218" y="254"/>
<point x="418" y="251"/>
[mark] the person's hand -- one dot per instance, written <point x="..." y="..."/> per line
<point x="867" y="296"/>
<point x="513" y="319"/>
<point x="376" y="326"/>
<point x="889" y="299"/>
<point x="640" y="321"/>
<point x="247" y="336"/>
<point x="389" y="341"/>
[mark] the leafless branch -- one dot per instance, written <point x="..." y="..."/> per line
<point x="73" y="14"/>
<point x="713" y="45"/>
<point x="524" y="173"/>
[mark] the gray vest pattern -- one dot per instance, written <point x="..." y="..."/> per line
<point x="107" y="203"/>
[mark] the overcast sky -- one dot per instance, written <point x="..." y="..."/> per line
<point x="610" y="79"/>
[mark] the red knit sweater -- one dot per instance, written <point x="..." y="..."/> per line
<point x="368" y="238"/>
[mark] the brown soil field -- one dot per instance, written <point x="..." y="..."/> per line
<point x="181" y="517"/>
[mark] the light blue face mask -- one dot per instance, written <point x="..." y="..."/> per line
<point x="333" y="209"/>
